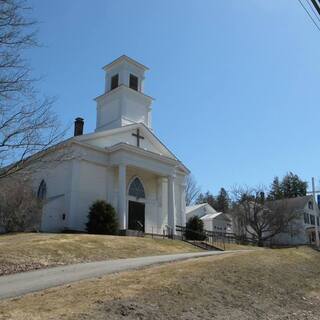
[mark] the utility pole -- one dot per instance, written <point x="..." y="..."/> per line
<point x="317" y="217"/>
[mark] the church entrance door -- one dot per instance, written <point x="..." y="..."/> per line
<point x="136" y="216"/>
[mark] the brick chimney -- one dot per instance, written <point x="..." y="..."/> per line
<point x="78" y="126"/>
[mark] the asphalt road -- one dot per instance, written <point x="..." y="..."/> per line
<point x="21" y="283"/>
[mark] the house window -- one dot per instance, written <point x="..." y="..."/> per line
<point x="306" y="218"/>
<point x="318" y="221"/>
<point x="133" y="82"/>
<point x="136" y="189"/>
<point x="310" y="205"/>
<point x="42" y="190"/>
<point x="312" y="219"/>
<point x="114" y="82"/>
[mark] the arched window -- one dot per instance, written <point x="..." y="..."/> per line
<point x="42" y="190"/>
<point x="136" y="189"/>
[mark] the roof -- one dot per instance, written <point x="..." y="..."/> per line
<point x="195" y="207"/>
<point x="125" y="58"/>
<point x="208" y="208"/>
<point x="123" y="87"/>
<point x="85" y="137"/>
<point x="297" y="203"/>
<point x="211" y="216"/>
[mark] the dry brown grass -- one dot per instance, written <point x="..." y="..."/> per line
<point x="264" y="284"/>
<point x="234" y="246"/>
<point x="27" y="251"/>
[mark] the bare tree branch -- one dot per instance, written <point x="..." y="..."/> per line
<point x="260" y="219"/>
<point x="27" y="124"/>
<point x="20" y="210"/>
<point x="192" y="190"/>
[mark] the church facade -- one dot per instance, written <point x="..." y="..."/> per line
<point x="122" y="162"/>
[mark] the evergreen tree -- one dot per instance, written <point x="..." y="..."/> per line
<point x="207" y="198"/>
<point x="275" y="190"/>
<point x="222" y="201"/>
<point x="291" y="186"/>
<point x="194" y="229"/>
<point x="102" y="219"/>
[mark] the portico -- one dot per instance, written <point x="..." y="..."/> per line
<point x="160" y="193"/>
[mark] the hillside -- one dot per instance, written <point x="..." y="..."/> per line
<point x="262" y="284"/>
<point x="29" y="251"/>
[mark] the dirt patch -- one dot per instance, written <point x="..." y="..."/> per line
<point x="8" y="267"/>
<point x="30" y="251"/>
<point x="266" y="284"/>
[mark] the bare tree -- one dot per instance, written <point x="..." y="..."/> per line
<point x="192" y="190"/>
<point x="20" y="209"/>
<point x="27" y="124"/>
<point x="260" y="219"/>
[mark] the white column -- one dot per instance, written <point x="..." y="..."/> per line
<point x="159" y="205"/>
<point x="171" y="204"/>
<point x="141" y="84"/>
<point x="122" y="212"/>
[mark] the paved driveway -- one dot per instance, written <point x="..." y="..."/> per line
<point x="18" y="284"/>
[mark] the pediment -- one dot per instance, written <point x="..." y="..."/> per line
<point x="128" y="135"/>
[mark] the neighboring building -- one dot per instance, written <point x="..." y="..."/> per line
<point x="301" y="231"/>
<point x="199" y="210"/>
<point x="212" y="220"/>
<point x="123" y="162"/>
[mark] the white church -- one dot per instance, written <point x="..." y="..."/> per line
<point x="123" y="162"/>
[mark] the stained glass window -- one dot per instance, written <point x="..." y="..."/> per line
<point x="136" y="189"/>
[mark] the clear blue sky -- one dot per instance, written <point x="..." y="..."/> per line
<point x="236" y="83"/>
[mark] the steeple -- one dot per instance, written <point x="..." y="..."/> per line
<point x="123" y="102"/>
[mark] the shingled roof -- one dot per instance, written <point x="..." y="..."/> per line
<point x="297" y="203"/>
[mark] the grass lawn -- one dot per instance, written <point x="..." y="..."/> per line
<point x="28" y="251"/>
<point x="234" y="246"/>
<point x="262" y="284"/>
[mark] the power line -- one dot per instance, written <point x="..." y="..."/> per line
<point x="316" y="5"/>
<point x="310" y="16"/>
<point x="308" y="12"/>
<point x="313" y="10"/>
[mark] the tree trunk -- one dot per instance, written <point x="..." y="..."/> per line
<point x="260" y="240"/>
<point x="260" y="243"/>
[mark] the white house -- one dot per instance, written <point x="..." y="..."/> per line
<point x="302" y="230"/>
<point x="212" y="220"/>
<point x="123" y="162"/>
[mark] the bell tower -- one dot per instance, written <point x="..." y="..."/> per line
<point x="123" y="102"/>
